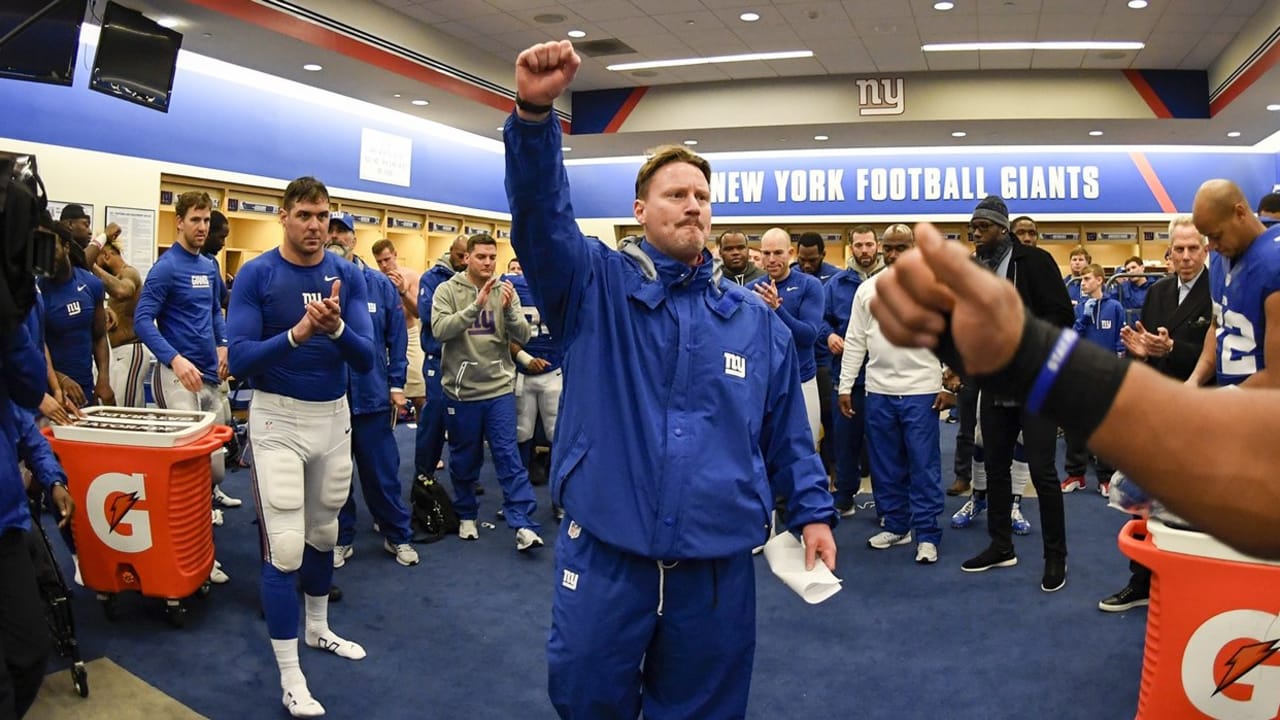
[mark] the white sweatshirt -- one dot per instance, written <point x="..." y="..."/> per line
<point x="891" y="370"/>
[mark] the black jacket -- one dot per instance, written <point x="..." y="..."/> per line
<point x="1035" y="273"/>
<point x="1187" y="323"/>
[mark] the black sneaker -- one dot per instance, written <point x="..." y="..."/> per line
<point x="1128" y="598"/>
<point x="989" y="558"/>
<point x="1055" y="575"/>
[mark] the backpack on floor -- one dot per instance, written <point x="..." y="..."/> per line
<point x="431" y="511"/>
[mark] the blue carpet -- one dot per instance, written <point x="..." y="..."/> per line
<point x="462" y="634"/>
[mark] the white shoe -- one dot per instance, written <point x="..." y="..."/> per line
<point x="217" y="517"/>
<point x="224" y="499"/>
<point x="341" y="553"/>
<point x="300" y="704"/>
<point x="527" y="539"/>
<point x="886" y="539"/>
<point x="217" y="576"/>
<point x="404" y="552"/>
<point x="467" y="530"/>
<point x="926" y="553"/>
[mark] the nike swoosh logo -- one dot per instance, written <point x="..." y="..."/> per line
<point x="80" y="288"/>
<point x="330" y="279"/>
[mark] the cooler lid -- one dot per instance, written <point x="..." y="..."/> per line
<point x="1191" y="542"/>
<point x="138" y="427"/>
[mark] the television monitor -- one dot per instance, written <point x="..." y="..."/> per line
<point x="136" y="58"/>
<point x="46" y="50"/>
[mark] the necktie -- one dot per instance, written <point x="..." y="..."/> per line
<point x="1183" y="291"/>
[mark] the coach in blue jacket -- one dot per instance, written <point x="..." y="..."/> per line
<point x="669" y="484"/>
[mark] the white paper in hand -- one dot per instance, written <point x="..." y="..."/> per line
<point x="785" y="555"/>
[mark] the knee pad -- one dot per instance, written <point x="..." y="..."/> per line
<point x="286" y="549"/>
<point x="321" y="536"/>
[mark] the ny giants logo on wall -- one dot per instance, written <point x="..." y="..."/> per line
<point x="881" y="96"/>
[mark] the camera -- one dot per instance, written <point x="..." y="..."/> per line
<point x="26" y="248"/>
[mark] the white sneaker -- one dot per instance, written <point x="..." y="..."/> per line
<point x="404" y="552"/>
<point x="467" y="530"/>
<point x="886" y="539"/>
<point x="527" y="539"/>
<point x="926" y="553"/>
<point x="217" y="576"/>
<point x="217" y="517"/>
<point x="300" y="704"/>
<point x="224" y="499"/>
<point x="341" y="553"/>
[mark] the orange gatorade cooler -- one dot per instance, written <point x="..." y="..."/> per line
<point x="141" y="480"/>
<point x="1213" y="627"/>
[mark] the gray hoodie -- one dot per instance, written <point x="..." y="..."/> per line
<point x="476" y="363"/>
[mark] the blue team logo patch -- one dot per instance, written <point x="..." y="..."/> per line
<point x="73" y="308"/>
<point x="200" y="281"/>
<point x="735" y="365"/>
<point x="1104" y="324"/>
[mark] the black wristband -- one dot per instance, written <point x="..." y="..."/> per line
<point x="529" y="107"/>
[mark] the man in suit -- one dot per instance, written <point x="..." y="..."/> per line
<point x="1179" y="309"/>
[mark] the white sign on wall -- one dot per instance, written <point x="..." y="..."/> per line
<point x="881" y="96"/>
<point x="385" y="158"/>
<point x="137" y="235"/>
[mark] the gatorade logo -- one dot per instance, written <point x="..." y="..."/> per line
<point x="113" y="503"/>
<point x="1231" y="666"/>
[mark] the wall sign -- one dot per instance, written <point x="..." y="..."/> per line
<point x="881" y="96"/>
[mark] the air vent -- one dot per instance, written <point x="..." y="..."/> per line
<point x="600" y="48"/>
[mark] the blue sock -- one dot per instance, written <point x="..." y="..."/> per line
<point x="317" y="571"/>
<point x="279" y="603"/>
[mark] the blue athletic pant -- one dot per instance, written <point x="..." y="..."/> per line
<point x="377" y="460"/>
<point x="470" y="423"/>
<point x="902" y="432"/>
<point x="675" y="639"/>
<point x="850" y="434"/>
<point x="429" y="440"/>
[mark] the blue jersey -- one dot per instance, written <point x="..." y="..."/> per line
<point x="1239" y="289"/>
<point x="837" y="307"/>
<point x="801" y="311"/>
<point x="179" y="311"/>
<point x="434" y="277"/>
<point x="1100" y="321"/>
<point x="69" y="309"/>
<point x="1073" y="289"/>
<point x="1131" y="295"/>
<point x="682" y="415"/>
<point x="23" y="382"/>
<point x="821" y="351"/>
<point x="271" y="297"/>
<point x="542" y="344"/>
<point x="371" y="391"/>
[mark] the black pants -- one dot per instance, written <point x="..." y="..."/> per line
<point x="1000" y="427"/>
<point x="967" y="408"/>
<point x="825" y="391"/>
<point x="24" y="634"/>
<point x="1077" y="458"/>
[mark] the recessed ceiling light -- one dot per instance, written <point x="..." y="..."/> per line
<point x="420" y="102"/>
<point x="312" y="67"/>
<point x="169" y="22"/>
<point x="565" y="148"/>
<point x="821" y="138"/>
<point x="396" y="95"/>
<point x="208" y="34"/>
<point x="576" y="34"/>
<point x="959" y="133"/>
<point x="943" y="5"/>
<point x="1095" y="133"/>
<point x="749" y="17"/>
<point x="690" y="142"/>
<point x="1137" y="4"/>
<point x="1234" y="133"/>
<point x="684" y="62"/>
<point x="1039" y="45"/>
<point x="1273" y="107"/>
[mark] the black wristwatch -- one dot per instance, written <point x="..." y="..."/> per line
<point x="529" y="107"/>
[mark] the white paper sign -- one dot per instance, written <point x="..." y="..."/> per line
<point x="55" y="210"/>
<point x="137" y="235"/>
<point x="385" y="158"/>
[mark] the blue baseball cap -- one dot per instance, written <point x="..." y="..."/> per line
<point x="344" y="219"/>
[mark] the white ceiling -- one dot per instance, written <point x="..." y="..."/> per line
<point x="482" y="37"/>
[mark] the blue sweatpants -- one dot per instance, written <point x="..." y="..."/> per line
<point x="377" y="460"/>
<point x="902" y="432"/>
<point x="628" y="633"/>
<point x="428" y="443"/>
<point x="849" y="439"/>
<point x="470" y="423"/>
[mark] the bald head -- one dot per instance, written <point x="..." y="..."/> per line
<point x="1223" y="215"/>
<point x="775" y="245"/>
<point x="458" y="253"/>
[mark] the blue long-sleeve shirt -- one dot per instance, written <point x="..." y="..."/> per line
<point x="271" y="297"/>
<point x="821" y="352"/>
<point x="23" y="381"/>
<point x="370" y="391"/>
<point x="434" y="277"/>
<point x="179" y="311"/>
<point x="1100" y="321"/>
<point x="705" y="420"/>
<point x="837" y="307"/>
<point x="801" y="311"/>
